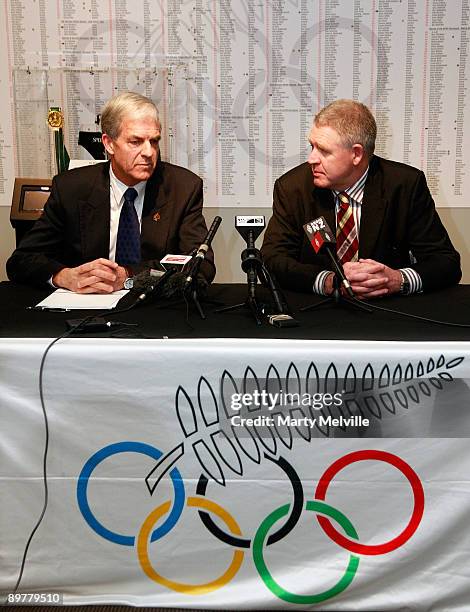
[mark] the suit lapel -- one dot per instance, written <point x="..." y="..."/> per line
<point x="324" y="206"/>
<point x="156" y="214"/>
<point x="374" y="206"/>
<point x="95" y="217"/>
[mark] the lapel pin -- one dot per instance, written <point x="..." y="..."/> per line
<point x="156" y="216"/>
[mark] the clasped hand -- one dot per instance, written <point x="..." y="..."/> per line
<point x="369" y="278"/>
<point x="97" y="276"/>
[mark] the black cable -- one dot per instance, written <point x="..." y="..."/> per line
<point x="66" y="334"/>
<point x="419" y="318"/>
<point x="105" y="313"/>
<point x="44" y="461"/>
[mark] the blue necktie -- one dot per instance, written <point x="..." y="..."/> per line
<point x="128" y="238"/>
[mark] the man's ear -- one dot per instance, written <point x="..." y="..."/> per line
<point x="108" y="143"/>
<point x="358" y="154"/>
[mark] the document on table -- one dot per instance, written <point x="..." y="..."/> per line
<point x="62" y="299"/>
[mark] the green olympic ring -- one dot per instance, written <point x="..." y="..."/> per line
<point x="273" y="586"/>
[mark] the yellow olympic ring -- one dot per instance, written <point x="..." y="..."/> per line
<point x="180" y="587"/>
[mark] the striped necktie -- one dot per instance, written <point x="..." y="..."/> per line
<point x="347" y="244"/>
<point x="128" y="237"/>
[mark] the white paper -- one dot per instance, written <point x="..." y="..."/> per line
<point x="79" y="163"/>
<point x="68" y="300"/>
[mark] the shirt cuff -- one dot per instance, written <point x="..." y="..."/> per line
<point x="414" y="280"/>
<point x="319" y="284"/>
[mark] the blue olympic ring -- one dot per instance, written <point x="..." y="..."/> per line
<point x="126" y="447"/>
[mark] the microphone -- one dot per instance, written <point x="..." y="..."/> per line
<point x="321" y="237"/>
<point x="250" y="227"/>
<point x="156" y="284"/>
<point x="201" y="252"/>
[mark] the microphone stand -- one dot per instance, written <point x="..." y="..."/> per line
<point x="191" y="292"/>
<point x="337" y="297"/>
<point x="339" y="300"/>
<point x="252" y="263"/>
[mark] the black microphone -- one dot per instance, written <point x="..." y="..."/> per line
<point x="250" y="227"/>
<point x="156" y="284"/>
<point x="201" y="252"/>
<point x="321" y="237"/>
<point x="252" y="262"/>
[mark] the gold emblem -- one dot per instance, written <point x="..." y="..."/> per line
<point x="156" y="216"/>
<point x="55" y="118"/>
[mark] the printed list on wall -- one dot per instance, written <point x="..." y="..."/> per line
<point x="237" y="83"/>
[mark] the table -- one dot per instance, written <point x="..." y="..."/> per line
<point x="264" y="516"/>
<point x="331" y="322"/>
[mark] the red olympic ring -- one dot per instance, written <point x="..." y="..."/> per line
<point x="416" y="516"/>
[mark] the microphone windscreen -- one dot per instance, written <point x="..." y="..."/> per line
<point x="176" y="286"/>
<point x="144" y="281"/>
<point x="173" y="287"/>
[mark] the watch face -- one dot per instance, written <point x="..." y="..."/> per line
<point x="405" y="286"/>
<point x="128" y="283"/>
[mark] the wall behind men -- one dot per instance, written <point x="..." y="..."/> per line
<point x="237" y="83"/>
<point x="228" y="244"/>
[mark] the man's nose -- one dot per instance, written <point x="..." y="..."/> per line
<point x="313" y="157"/>
<point x="147" y="149"/>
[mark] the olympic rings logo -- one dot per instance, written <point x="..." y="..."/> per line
<point x="288" y="515"/>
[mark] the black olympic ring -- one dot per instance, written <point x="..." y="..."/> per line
<point x="278" y="535"/>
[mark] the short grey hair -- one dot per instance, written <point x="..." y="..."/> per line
<point x="352" y="120"/>
<point x="125" y="104"/>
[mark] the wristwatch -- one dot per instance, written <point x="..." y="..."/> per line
<point x="405" y="284"/>
<point x="129" y="283"/>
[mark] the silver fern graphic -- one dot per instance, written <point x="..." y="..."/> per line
<point x="367" y="394"/>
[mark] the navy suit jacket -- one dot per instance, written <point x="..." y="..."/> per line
<point x="74" y="227"/>
<point x="398" y="216"/>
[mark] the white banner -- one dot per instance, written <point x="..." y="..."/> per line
<point x="157" y="497"/>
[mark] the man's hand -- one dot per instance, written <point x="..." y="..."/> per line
<point x="369" y="278"/>
<point x="98" y="276"/>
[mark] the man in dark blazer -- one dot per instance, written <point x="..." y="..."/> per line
<point x="402" y="244"/>
<point x="75" y="242"/>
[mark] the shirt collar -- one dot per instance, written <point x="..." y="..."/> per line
<point x="119" y="187"/>
<point x="356" y="191"/>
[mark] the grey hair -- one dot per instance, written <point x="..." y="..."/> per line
<point x="122" y="105"/>
<point x="352" y="120"/>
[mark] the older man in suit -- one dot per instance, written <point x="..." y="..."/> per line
<point x="105" y="223"/>
<point x="388" y="234"/>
